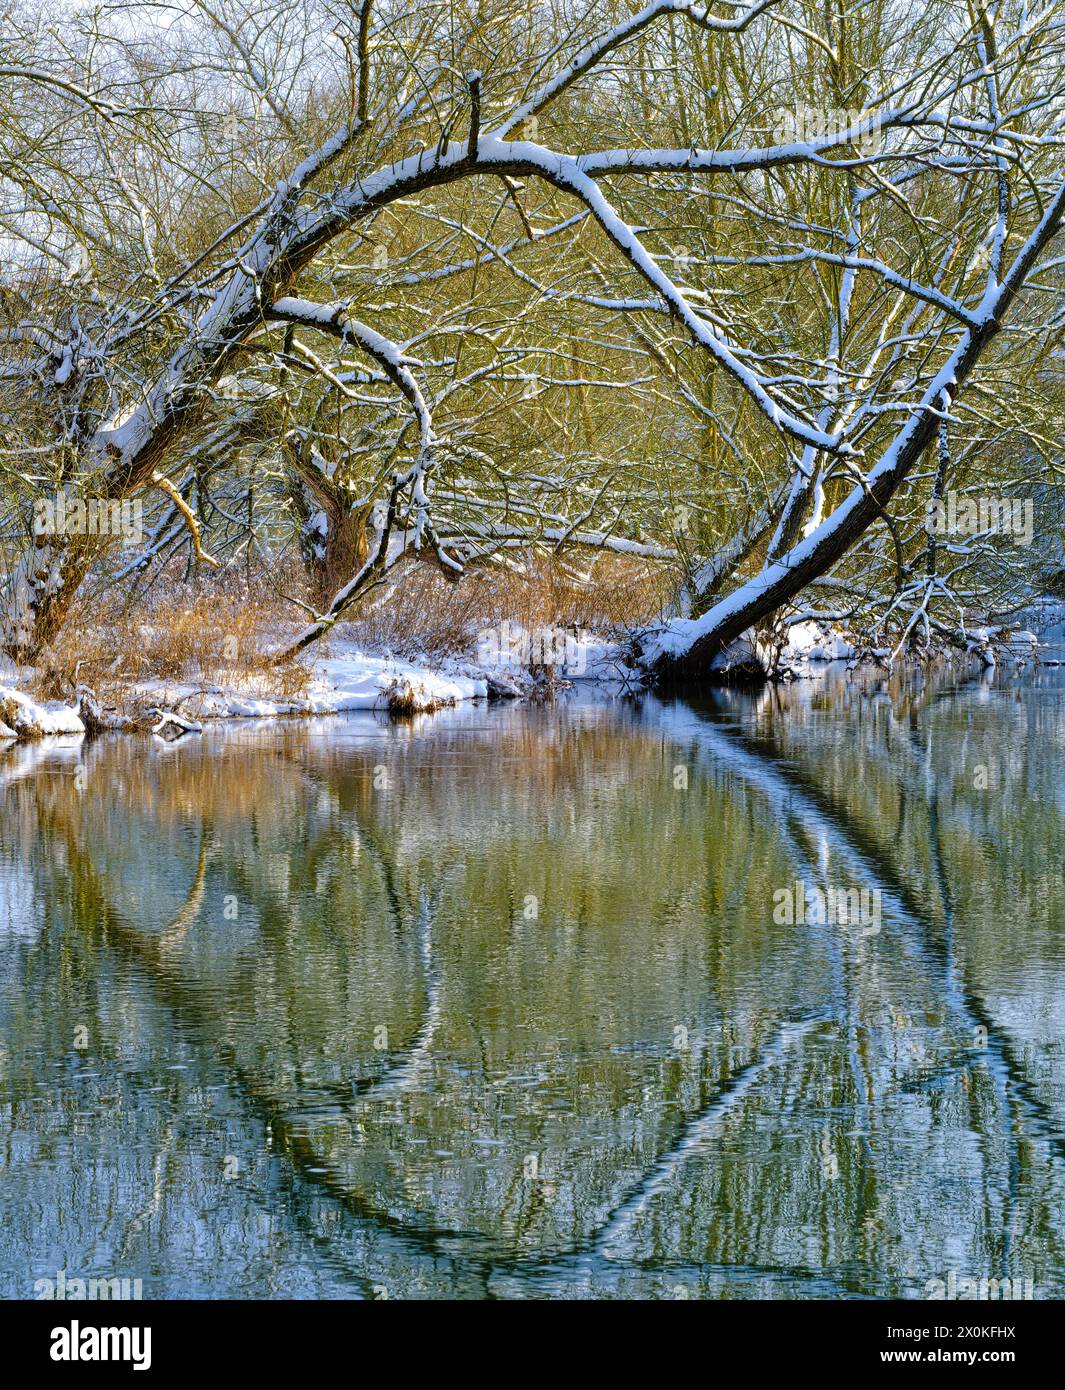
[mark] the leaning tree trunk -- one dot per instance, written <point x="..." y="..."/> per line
<point x="684" y="654"/>
<point x="781" y="581"/>
<point x="42" y="591"/>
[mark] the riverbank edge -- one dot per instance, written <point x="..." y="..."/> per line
<point x="350" y="680"/>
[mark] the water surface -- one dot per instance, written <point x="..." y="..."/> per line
<point x="495" y="1003"/>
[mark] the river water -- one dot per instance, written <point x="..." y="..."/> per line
<point x="507" y="1001"/>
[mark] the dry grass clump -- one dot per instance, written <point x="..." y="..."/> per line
<point x="224" y="636"/>
<point x="407" y="698"/>
<point x="424" y="613"/>
<point x="222" y="630"/>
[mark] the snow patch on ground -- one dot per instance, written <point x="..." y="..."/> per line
<point x="344" y="678"/>
<point x="351" y="680"/>
<point x="815" y="642"/>
<point x="340" y="683"/>
<point x="27" y="718"/>
<point x="347" y="680"/>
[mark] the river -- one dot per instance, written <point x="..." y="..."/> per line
<point x="523" y="1002"/>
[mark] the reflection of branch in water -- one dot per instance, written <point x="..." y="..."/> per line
<point x="289" y="1137"/>
<point x="402" y="1077"/>
<point x="276" y="907"/>
<point x="698" y="1130"/>
<point x="367" y="838"/>
<point x="1012" y="1087"/>
<point x="1018" y="1100"/>
<point x="784" y="783"/>
<point x="403" y="1074"/>
<point x="135" y="1225"/>
<point x="174" y="932"/>
<point x="956" y="972"/>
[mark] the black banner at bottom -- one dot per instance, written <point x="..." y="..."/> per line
<point x="78" y="1339"/>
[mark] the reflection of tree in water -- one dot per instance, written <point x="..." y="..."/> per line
<point x="703" y="1167"/>
<point x="891" y="754"/>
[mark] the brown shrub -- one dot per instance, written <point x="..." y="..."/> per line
<point x="223" y="629"/>
<point x="425" y="613"/>
<point x="221" y="637"/>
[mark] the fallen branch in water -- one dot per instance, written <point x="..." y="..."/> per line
<point x="168" y="719"/>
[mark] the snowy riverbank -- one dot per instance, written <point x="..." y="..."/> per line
<point x="344" y="679"/>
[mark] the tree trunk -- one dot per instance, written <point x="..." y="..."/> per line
<point x="43" y="589"/>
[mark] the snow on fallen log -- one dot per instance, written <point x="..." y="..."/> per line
<point x="97" y="717"/>
<point x="169" y="720"/>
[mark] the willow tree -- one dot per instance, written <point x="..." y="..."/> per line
<point x="856" y="268"/>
